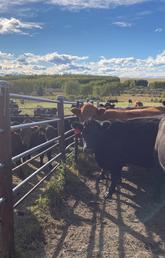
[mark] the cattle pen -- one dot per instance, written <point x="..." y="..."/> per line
<point x="7" y="192"/>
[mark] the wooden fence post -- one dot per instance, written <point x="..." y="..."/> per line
<point x="6" y="206"/>
<point x="61" y="127"/>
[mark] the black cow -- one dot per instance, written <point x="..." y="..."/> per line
<point x="38" y="137"/>
<point x="160" y="145"/>
<point x="67" y="127"/>
<point x="17" y="148"/>
<point x="121" y="143"/>
<point x="50" y="132"/>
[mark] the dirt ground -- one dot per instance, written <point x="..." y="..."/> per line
<point x="81" y="223"/>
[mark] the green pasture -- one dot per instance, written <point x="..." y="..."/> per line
<point x="27" y="107"/>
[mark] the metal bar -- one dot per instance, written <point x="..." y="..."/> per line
<point x="15" y="189"/>
<point x="69" y="117"/>
<point x="69" y="102"/>
<point x="70" y="145"/>
<point x="34" y="157"/>
<point x="2" y="165"/>
<point x="17" y="96"/>
<point x="61" y="128"/>
<point x="32" y="189"/>
<point x="70" y="131"/>
<point x="2" y="200"/>
<point x="6" y="210"/>
<point x="34" y="149"/>
<point x="70" y="137"/>
<point x="20" y="126"/>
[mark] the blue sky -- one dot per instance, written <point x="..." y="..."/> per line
<point x="103" y="37"/>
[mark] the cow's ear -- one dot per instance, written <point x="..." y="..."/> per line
<point x="76" y="111"/>
<point x="100" y="111"/>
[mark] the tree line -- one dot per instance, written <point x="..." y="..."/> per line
<point x="79" y="85"/>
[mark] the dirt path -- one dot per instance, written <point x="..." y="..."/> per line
<point x="81" y="223"/>
<point x="84" y="224"/>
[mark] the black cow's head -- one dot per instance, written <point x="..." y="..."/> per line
<point x="92" y="133"/>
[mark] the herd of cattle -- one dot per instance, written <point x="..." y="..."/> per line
<point x="124" y="138"/>
<point x="117" y="137"/>
<point x="27" y="138"/>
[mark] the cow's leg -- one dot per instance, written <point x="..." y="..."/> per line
<point x="49" y="154"/>
<point x="115" y="177"/>
<point x="159" y="180"/>
<point x="41" y="159"/>
<point x="20" y="171"/>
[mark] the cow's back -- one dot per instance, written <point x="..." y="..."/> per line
<point x="128" y="142"/>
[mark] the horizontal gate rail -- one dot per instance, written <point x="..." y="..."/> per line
<point x="69" y="102"/>
<point x="18" y="96"/>
<point x="34" y="149"/>
<point x="34" y="157"/>
<point x="70" y="145"/>
<point x="70" y="137"/>
<point x="36" y="186"/>
<point x="69" y="117"/>
<point x="16" y="188"/>
<point x="27" y="125"/>
<point x="70" y="131"/>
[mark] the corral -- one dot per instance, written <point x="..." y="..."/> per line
<point x="9" y="196"/>
<point x="80" y="222"/>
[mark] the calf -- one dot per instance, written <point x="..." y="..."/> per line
<point x="17" y="148"/>
<point x="121" y="143"/>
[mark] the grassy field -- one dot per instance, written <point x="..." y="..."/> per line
<point x="28" y="106"/>
<point x="148" y="79"/>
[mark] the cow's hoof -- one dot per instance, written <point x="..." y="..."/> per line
<point x="108" y="196"/>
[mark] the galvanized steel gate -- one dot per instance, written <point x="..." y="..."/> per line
<point x="7" y="193"/>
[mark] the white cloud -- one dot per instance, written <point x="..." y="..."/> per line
<point x="13" y="25"/>
<point x="158" y="30"/>
<point x="71" y="4"/>
<point x="54" y="57"/>
<point x="55" y="63"/>
<point x="122" y="24"/>
<point x="5" y="56"/>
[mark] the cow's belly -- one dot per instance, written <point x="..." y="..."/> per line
<point x="110" y="161"/>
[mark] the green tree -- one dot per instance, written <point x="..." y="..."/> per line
<point x="71" y="87"/>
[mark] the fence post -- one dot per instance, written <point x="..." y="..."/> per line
<point x="61" y="127"/>
<point x="6" y="207"/>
